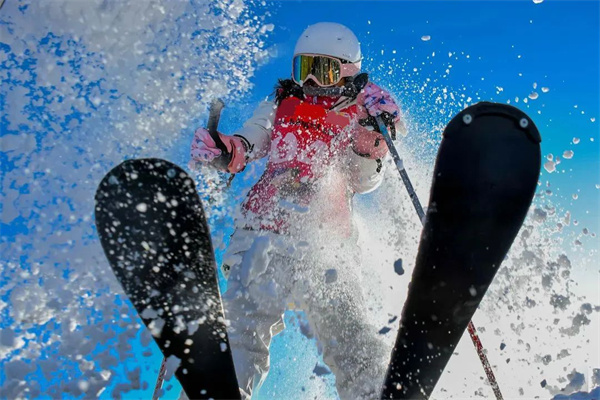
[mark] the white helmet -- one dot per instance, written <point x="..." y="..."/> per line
<point x="330" y="39"/>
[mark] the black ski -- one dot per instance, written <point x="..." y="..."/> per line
<point x="154" y="233"/>
<point x="484" y="180"/>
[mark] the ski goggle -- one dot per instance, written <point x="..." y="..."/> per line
<point x="325" y="71"/>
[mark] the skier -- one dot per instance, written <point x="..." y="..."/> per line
<point x="295" y="242"/>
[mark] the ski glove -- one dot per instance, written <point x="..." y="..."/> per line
<point x="374" y="101"/>
<point x="205" y="150"/>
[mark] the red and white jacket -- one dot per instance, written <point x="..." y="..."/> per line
<point x="312" y="171"/>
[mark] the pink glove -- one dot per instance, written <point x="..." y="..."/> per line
<point x="374" y="101"/>
<point x="204" y="150"/>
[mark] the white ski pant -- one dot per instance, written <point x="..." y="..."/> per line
<point x="260" y="287"/>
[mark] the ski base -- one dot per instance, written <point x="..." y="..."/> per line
<point x="484" y="180"/>
<point x="154" y="233"/>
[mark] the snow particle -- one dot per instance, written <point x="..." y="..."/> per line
<point x="331" y="275"/>
<point x="559" y="301"/>
<point x="141" y="207"/>
<point x="546" y="359"/>
<point x="398" y="267"/>
<point x="545" y="90"/>
<point x="321" y="370"/>
<point x="384" y="330"/>
<point x="576" y="140"/>
<point x="568" y="154"/>
<point x="550" y="166"/>
<point x="425" y="38"/>
<point x="149" y="313"/>
<point x="533" y="95"/>
<point x="267" y="28"/>
<point x="539" y="215"/>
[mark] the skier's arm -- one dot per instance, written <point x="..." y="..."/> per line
<point x="365" y="174"/>
<point x="249" y="143"/>
<point x="368" y="146"/>
<point x="375" y="101"/>
<point x="257" y="130"/>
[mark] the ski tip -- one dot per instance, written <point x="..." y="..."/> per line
<point x="485" y="108"/>
<point x="129" y="170"/>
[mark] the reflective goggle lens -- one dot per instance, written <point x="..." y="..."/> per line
<point x="327" y="71"/>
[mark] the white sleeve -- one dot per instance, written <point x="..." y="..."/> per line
<point x="257" y="130"/>
<point x="401" y="127"/>
<point x="365" y="174"/>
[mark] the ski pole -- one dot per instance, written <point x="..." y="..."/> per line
<point x="160" y="379"/>
<point x="214" y="115"/>
<point x="400" y="166"/>
<point x="417" y="204"/>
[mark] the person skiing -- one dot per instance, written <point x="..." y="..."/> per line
<point x="295" y="241"/>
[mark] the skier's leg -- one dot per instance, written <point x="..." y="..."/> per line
<point x="254" y="305"/>
<point x="351" y="347"/>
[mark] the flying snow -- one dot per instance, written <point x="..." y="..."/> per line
<point x="86" y="88"/>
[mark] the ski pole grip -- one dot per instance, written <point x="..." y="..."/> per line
<point x="214" y="114"/>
